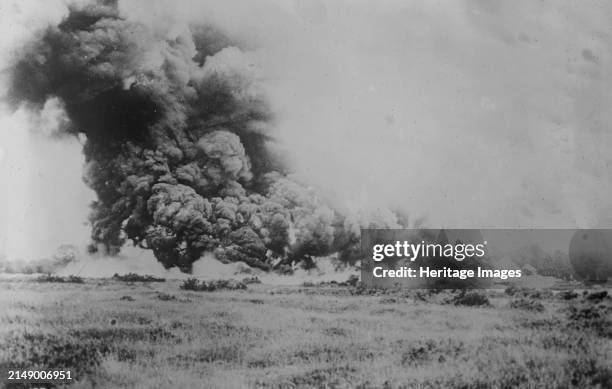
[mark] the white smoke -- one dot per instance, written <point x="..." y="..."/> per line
<point x="43" y="200"/>
<point x="139" y="261"/>
<point x="130" y="260"/>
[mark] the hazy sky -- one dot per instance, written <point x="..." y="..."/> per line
<point x="470" y="113"/>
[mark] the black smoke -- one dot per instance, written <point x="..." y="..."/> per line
<point x="177" y="143"/>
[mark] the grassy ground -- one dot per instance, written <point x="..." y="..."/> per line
<point x="154" y="335"/>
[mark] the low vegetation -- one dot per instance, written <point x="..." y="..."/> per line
<point x="527" y="305"/>
<point x="329" y="336"/>
<point x="211" y="286"/>
<point x="133" y="277"/>
<point x="54" y="278"/>
<point x="471" y="299"/>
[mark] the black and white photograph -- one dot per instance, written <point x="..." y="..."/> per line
<point x="281" y="194"/>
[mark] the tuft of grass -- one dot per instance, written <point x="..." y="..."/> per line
<point x="166" y="297"/>
<point x="320" y="377"/>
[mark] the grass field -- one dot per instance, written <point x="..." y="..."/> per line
<point x="117" y="334"/>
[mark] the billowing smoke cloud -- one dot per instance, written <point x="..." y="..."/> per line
<point x="475" y="113"/>
<point x="177" y="143"/>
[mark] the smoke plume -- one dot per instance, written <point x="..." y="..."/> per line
<point x="177" y="143"/>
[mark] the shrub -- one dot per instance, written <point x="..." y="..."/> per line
<point x="210" y="286"/>
<point x="52" y="278"/>
<point x="527" y="292"/>
<point x="251" y="280"/>
<point x="133" y="277"/>
<point x="512" y="290"/>
<point x="569" y="295"/>
<point x="596" y="318"/>
<point x="388" y="300"/>
<point x="597" y="296"/>
<point x="353" y="280"/>
<point x="190" y="284"/>
<point x="527" y="305"/>
<point x="472" y="299"/>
